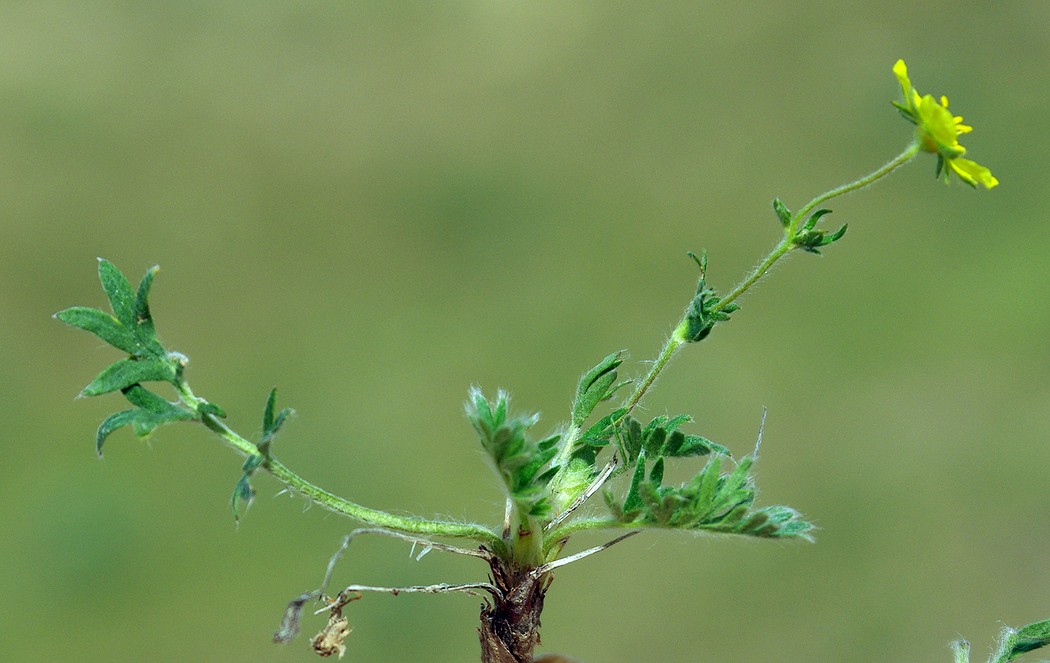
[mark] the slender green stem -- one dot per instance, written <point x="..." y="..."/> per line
<point x="554" y="537"/>
<point x="658" y="366"/>
<point x="341" y="505"/>
<point x="758" y="272"/>
<point x="891" y="165"/>
<point x="677" y="339"/>
<point x="788" y="242"/>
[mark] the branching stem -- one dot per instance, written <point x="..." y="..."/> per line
<point x="677" y="339"/>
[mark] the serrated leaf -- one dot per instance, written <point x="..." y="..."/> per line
<point x="595" y="386"/>
<point x="101" y="324"/>
<point x="127" y="372"/>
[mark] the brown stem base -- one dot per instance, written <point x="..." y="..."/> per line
<point x="510" y="627"/>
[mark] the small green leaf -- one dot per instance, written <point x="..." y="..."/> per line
<point x="243" y="492"/>
<point x="656" y="475"/>
<point x="118" y="290"/>
<point x="634" y="500"/>
<point x="703" y="311"/>
<point x="144" y="328"/>
<point x="629" y="438"/>
<point x="127" y="372"/>
<point x="110" y="424"/>
<point x="272" y="422"/>
<point x="596" y="385"/>
<point x="152" y="411"/>
<point x="146" y="399"/>
<point x="782" y="212"/>
<point x="206" y="408"/>
<point x="101" y="324"/>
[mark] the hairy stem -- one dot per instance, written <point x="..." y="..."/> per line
<point x="341" y="505"/>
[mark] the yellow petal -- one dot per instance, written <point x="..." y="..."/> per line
<point x="973" y="173"/>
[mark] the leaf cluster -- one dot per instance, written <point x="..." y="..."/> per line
<point x="540" y="473"/>
<point x="807" y="237"/>
<point x="711" y="501"/>
<point x="519" y="459"/>
<point x="130" y="328"/>
<point x="705" y="310"/>
<point x="243" y="492"/>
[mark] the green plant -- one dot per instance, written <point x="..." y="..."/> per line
<point x="546" y="480"/>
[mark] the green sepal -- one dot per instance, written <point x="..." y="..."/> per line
<point x="243" y="492"/>
<point x="126" y="372"/>
<point x="809" y="239"/>
<point x="596" y="385"/>
<point x="782" y="212"/>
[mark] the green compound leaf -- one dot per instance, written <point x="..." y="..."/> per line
<point x="712" y="501"/>
<point x="596" y="385"/>
<point x="519" y="460"/>
<point x="661" y="437"/>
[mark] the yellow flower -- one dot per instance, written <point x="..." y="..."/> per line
<point x="938" y="131"/>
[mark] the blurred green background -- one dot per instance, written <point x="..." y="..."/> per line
<point x="373" y="205"/>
